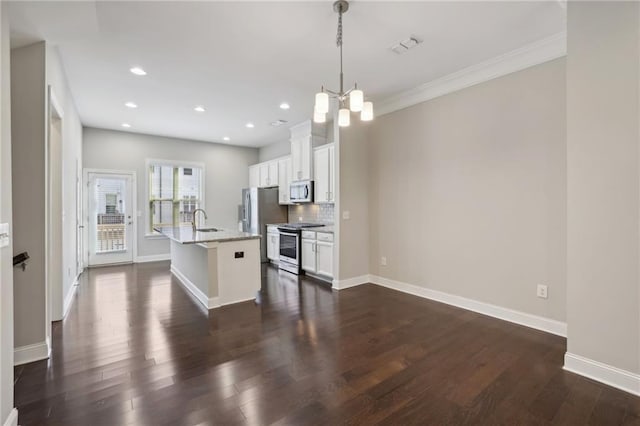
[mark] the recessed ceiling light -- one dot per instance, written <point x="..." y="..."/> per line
<point x="250" y="125"/>
<point x="131" y="105"/>
<point x="126" y="125"/>
<point x="138" y="71"/>
<point x="284" y="105"/>
<point x="226" y="138"/>
<point x="199" y="108"/>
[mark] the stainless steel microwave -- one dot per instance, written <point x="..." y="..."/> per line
<point x="301" y="191"/>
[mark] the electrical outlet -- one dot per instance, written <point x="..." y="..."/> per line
<point x="383" y="261"/>
<point x="299" y="218"/>
<point x="542" y="291"/>
<point x="346" y="215"/>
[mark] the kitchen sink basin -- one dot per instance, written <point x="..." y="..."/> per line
<point x="207" y="230"/>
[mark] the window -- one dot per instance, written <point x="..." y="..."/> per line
<point x="175" y="191"/>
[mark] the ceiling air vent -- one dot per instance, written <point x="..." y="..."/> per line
<point x="406" y="45"/>
<point x="278" y="123"/>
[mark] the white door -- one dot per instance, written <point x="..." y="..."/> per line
<point x="306" y="158"/>
<point x="273" y="173"/>
<point x="284" y="177"/>
<point x="296" y="160"/>
<point x="324" y="252"/>
<point x="111" y="216"/>
<point x="309" y="255"/>
<point x="273" y="246"/>
<point x="264" y="175"/>
<point x="321" y="171"/>
<point x="79" y="225"/>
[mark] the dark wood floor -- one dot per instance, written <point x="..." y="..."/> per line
<point x="136" y="349"/>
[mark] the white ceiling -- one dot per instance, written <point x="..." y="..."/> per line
<point x="242" y="59"/>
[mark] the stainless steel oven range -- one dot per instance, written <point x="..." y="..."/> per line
<point x="290" y="248"/>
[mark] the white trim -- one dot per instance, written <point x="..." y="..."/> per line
<point x="351" y="282"/>
<point x="152" y="258"/>
<point x="68" y="300"/>
<point x="31" y="353"/>
<point x="12" y="418"/>
<point x="536" y="53"/>
<point x="528" y="320"/>
<point x="207" y="302"/>
<point x="603" y="373"/>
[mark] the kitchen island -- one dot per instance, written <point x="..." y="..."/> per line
<point x="219" y="267"/>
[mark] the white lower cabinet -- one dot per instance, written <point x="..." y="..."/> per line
<point x="317" y="253"/>
<point x="324" y="258"/>
<point x="273" y="246"/>
<point x="309" y="255"/>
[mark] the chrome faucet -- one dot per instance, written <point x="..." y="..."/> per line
<point x="193" y="222"/>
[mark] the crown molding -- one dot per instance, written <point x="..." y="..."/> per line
<point x="541" y="51"/>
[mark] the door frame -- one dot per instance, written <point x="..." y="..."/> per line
<point x="85" y="215"/>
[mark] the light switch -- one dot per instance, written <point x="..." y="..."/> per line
<point x="4" y="234"/>
<point x="346" y="215"/>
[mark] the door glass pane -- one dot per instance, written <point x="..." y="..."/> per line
<point x="110" y="210"/>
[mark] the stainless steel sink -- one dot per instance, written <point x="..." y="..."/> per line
<point x="208" y="230"/>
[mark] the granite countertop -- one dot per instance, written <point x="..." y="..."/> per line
<point x="186" y="235"/>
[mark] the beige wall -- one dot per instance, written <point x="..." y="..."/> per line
<point x="226" y="170"/>
<point x="6" y="269"/>
<point x="274" y="150"/>
<point x="354" y="175"/>
<point x="71" y="165"/>
<point x="603" y="182"/>
<point x="468" y="192"/>
<point x="33" y="69"/>
<point x="28" y="119"/>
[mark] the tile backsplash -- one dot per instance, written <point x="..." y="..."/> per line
<point x="320" y="213"/>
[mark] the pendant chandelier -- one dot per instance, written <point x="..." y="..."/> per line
<point x="354" y="95"/>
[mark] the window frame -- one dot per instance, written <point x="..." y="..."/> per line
<point x="149" y="233"/>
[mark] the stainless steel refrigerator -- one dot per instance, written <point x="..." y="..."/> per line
<point x="260" y="206"/>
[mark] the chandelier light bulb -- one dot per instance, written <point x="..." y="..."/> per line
<point x="344" y="117"/>
<point x="322" y="102"/>
<point x="367" y="111"/>
<point x="356" y="98"/>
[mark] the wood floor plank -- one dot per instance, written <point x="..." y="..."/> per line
<point x="136" y="349"/>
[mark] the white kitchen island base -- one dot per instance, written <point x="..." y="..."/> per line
<point x="218" y="273"/>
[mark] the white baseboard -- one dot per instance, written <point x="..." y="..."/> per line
<point x="603" y="373"/>
<point x="528" y="320"/>
<point x="12" y="418"/>
<point x="351" y="282"/>
<point x="31" y="353"/>
<point x="152" y="258"/>
<point x="207" y="302"/>
<point x="68" y="299"/>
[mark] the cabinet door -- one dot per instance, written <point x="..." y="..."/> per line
<point x="309" y="255"/>
<point x="273" y="246"/>
<point x="272" y="180"/>
<point x="296" y="159"/>
<point x="321" y="175"/>
<point x="306" y="166"/>
<point x="264" y="175"/>
<point x="324" y="256"/>
<point x="332" y="173"/>
<point x="254" y="176"/>
<point x="284" y="172"/>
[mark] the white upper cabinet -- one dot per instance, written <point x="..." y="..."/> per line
<point x="254" y="176"/>
<point x="284" y="179"/>
<point x="303" y="139"/>
<point x="263" y="175"/>
<point x="301" y="158"/>
<point x="324" y="173"/>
